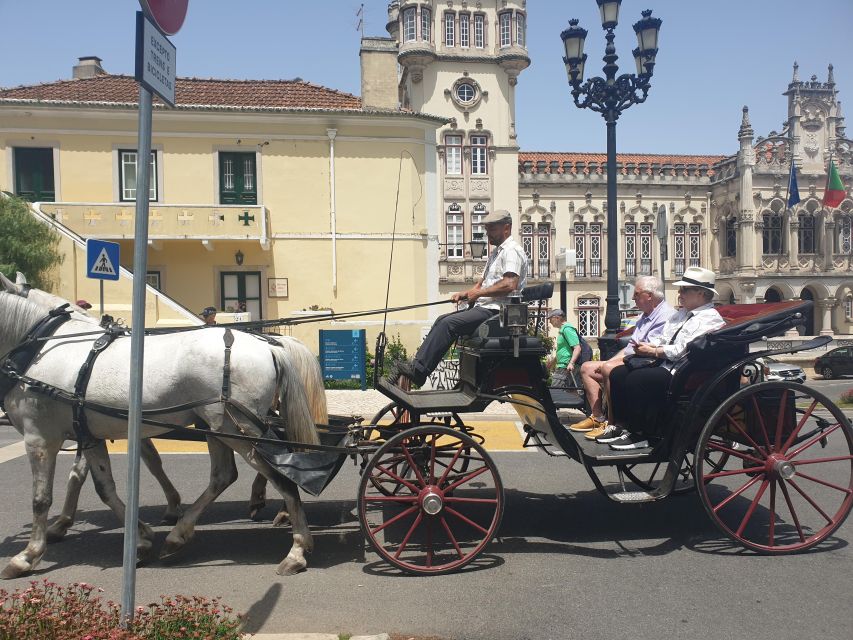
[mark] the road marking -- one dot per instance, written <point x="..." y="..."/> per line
<point x="12" y="451"/>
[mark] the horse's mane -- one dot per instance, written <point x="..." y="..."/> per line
<point x="20" y="315"/>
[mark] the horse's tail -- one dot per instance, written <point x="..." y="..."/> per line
<point x="309" y="371"/>
<point x="293" y="401"/>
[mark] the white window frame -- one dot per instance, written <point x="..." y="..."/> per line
<point x="410" y="24"/>
<point x="477" y="214"/>
<point x="519" y="29"/>
<point x="449" y="29"/>
<point x="589" y="316"/>
<point x="426" y="24"/>
<point x="479" y="155"/>
<point x="505" y="29"/>
<point x="127" y="158"/>
<point x="455" y="232"/>
<point x="645" y="268"/>
<point x="580" y="249"/>
<point x="631" y="249"/>
<point x="453" y="155"/>
<point x="464" y="30"/>
<point x="479" y="30"/>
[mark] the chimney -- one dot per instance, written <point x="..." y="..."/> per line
<point x="379" y="73"/>
<point x="88" y="67"/>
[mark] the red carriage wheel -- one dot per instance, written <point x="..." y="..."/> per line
<point x="788" y="484"/>
<point x="446" y="509"/>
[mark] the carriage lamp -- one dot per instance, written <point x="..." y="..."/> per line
<point x="477" y="245"/>
<point x="238" y="258"/>
<point x="515" y="319"/>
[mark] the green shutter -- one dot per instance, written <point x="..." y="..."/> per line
<point x="34" y="174"/>
<point x="238" y="178"/>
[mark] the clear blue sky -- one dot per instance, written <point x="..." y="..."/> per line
<point x="715" y="56"/>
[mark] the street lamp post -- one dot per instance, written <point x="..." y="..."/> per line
<point x="610" y="96"/>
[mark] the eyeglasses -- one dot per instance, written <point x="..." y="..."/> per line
<point x="638" y="293"/>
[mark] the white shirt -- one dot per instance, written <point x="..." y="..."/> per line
<point x="507" y="258"/>
<point x="685" y="326"/>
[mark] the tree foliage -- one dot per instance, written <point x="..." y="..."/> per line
<point x="26" y="244"/>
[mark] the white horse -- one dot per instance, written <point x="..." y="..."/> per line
<point x="180" y="367"/>
<point x="300" y="356"/>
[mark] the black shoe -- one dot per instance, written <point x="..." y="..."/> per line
<point x="630" y="441"/>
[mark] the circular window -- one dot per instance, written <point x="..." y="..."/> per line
<point x="465" y="93"/>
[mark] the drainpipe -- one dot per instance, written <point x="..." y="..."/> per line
<point x="332" y="133"/>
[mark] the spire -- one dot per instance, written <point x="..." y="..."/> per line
<point x="745" y="128"/>
<point x="830" y="79"/>
<point x="796" y="77"/>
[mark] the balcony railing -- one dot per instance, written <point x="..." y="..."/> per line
<point x="645" y="266"/>
<point x="630" y="267"/>
<point x="595" y="267"/>
<point x="544" y="270"/>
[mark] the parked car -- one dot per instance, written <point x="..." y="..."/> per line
<point x="835" y="363"/>
<point x="775" y="370"/>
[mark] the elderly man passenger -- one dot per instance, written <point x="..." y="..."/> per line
<point x="505" y="272"/>
<point x="637" y="397"/>
<point x="595" y="375"/>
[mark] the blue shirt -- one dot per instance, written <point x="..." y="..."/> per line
<point x="650" y="326"/>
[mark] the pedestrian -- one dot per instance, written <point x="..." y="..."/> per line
<point x="209" y="315"/>
<point x="569" y="354"/>
<point x="83" y="304"/>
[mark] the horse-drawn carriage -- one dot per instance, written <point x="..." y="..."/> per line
<point x="771" y="462"/>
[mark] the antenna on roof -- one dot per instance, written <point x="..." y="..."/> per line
<point x="360" y="15"/>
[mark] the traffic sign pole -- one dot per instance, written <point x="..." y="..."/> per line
<point x="137" y="349"/>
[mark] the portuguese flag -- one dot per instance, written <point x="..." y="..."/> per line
<point x="834" y="192"/>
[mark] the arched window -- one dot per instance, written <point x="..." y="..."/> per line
<point x="426" y="24"/>
<point x="728" y="237"/>
<point x="844" y="235"/>
<point x="806" y="236"/>
<point x="772" y="234"/>
<point x="409" y="25"/>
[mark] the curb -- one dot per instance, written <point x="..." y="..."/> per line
<point x="313" y="636"/>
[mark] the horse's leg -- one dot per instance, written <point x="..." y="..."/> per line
<point x="303" y="542"/>
<point x="258" y="497"/>
<point x="79" y="472"/>
<point x="102" y="476"/>
<point x="152" y="460"/>
<point x="223" y="473"/>
<point x="42" y="455"/>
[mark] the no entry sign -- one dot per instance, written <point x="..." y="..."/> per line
<point x="168" y="14"/>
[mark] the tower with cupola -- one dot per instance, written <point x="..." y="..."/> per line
<point x="460" y="59"/>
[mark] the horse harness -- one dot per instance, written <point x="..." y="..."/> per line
<point x="14" y="365"/>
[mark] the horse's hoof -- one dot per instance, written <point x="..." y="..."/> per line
<point x="171" y="551"/>
<point x="13" y="571"/>
<point x="255" y="511"/>
<point x="281" y="519"/>
<point x="56" y="535"/>
<point x="171" y="519"/>
<point x="291" y="566"/>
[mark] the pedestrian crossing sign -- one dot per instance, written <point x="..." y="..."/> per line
<point x="102" y="260"/>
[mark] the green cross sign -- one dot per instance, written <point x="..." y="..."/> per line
<point x="245" y="218"/>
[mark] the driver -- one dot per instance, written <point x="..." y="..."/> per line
<point x="505" y="272"/>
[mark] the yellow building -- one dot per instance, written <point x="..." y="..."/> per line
<point x="277" y="196"/>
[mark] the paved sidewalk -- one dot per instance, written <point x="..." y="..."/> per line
<point x="313" y="636"/>
<point x="368" y="403"/>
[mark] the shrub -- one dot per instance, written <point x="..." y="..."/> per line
<point x="47" y="611"/>
<point x="395" y="351"/>
<point x="847" y="397"/>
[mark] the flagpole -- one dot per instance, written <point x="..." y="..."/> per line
<point x="828" y="178"/>
<point x="788" y="187"/>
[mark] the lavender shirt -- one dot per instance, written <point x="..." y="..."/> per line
<point x="650" y="326"/>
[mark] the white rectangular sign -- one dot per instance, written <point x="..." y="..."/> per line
<point x="155" y="60"/>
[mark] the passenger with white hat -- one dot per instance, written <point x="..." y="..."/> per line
<point x="637" y="396"/>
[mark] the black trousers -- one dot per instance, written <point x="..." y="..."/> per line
<point x="443" y="333"/>
<point x="637" y="398"/>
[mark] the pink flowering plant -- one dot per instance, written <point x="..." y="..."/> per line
<point x="847" y="397"/>
<point x="47" y="611"/>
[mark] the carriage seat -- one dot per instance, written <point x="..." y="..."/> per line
<point x="492" y="327"/>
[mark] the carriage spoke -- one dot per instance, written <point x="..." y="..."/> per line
<point x="733" y="452"/>
<point x="466" y="478"/>
<point x="792" y="511"/>
<point x="796" y="431"/>
<point x="752" y="507"/>
<point x="410" y="499"/>
<point x="733" y="472"/>
<point x="760" y="422"/>
<point x="399" y="516"/>
<point x="735" y="494"/>
<point x="466" y="520"/>
<point x="824" y="482"/>
<point x="450" y="466"/>
<point x="809" y="500"/>
<point x="471" y="500"/>
<point x="432" y="453"/>
<point x="817" y="438"/>
<point x="412" y="464"/>
<point x="451" y="536"/>
<point x="409" y="533"/>
<point x="734" y="423"/>
<point x="780" y="420"/>
<point x="397" y="478"/>
<point x="772" y="511"/>
<point x="429" y="522"/>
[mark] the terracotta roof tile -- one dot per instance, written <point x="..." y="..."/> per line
<point x="192" y="92"/>
<point x="569" y="161"/>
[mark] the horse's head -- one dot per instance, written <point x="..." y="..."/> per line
<point x="44" y="300"/>
<point x="20" y="287"/>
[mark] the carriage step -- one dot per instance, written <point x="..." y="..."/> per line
<point x="633" y="496"/>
